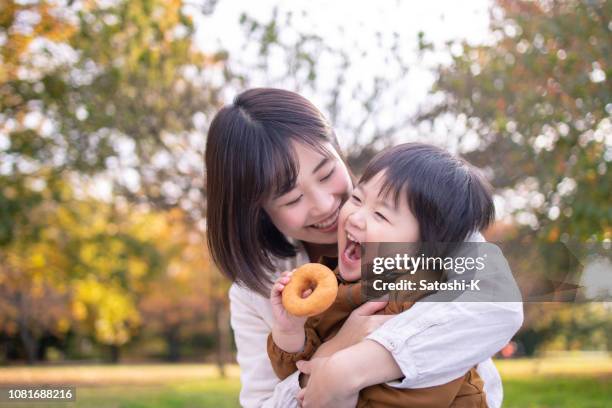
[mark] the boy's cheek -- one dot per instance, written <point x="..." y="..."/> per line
<point x="344" y="213"/>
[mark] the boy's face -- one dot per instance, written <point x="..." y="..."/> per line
<point x="368" y="217"/>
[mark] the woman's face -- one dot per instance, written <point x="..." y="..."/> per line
<point x="309" y="212"/>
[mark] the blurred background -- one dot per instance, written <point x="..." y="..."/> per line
<point x="105" y="280"/>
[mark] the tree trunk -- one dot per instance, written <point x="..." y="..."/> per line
<point x="29" y="344"/>
<point x="115" y="353"/>
<point x="173" y="345"/>
<point x="223" y="337"/>
<point x="26" y="336"/>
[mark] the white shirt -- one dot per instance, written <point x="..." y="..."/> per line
<point x="432" y="343"/>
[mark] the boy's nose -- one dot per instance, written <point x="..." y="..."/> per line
<point x="357" y="220"/>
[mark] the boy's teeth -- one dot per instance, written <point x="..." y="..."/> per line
<point x="352" y="238"/>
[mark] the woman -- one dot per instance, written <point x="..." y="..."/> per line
<point x="275" y="183"/>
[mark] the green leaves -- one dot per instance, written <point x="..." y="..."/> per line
<point x="537" y="97"/>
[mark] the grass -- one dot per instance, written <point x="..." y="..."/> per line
<point x="576" y="382"/>
<point x="570" y="381"/>
<point x="133" y="386"/>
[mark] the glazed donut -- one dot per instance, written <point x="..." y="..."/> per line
<point x="317" y="277"/>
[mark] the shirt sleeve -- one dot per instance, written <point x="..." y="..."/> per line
<point x="260" y="386"/>
<point x="283" y="362"/>
<point x="436" y="342"/>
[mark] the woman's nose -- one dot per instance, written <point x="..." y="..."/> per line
<point x="323" y="203"/>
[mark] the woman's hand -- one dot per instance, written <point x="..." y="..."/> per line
<point x="359" y="324"/>
<point x="287" y="329"/>
<point x="336" y="381"/>
<point x="329" y="385"/>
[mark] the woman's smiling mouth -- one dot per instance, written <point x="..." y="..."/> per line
<point x="328" y="224"/>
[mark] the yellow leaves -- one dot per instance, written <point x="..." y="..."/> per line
<point x="37" y="260"/>
<point x="88" y="253"/>
<point x="89" y="271"/>
<point x="63" y="325"/>
<point x="137" y="268"/>
<point x="591" y="176"/>
<point x="79" y="310"/>
<point x="108" y="309"/>
<point x="49" y="25"/>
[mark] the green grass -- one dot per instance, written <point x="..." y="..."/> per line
<point x="558" y="392"/>
<point x="575" y="382"/>
<point x="133" y="386"/>
<point x="214" y="393"/>
<point x="222" y="393"/>
<point x="572" y="381"/>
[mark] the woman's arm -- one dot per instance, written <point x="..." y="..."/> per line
<point x="260" y="385"/>
<point x="346" y="373"/>
<point x="430" y="355"/>
<point x="436" y="343"/>
<point x="431" y="343"/>
<point x="465" y="332"/>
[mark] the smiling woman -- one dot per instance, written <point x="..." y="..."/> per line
<point x="273" y="171"/>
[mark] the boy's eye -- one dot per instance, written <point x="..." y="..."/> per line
<point x="356" y="199"/>
<point x="328" y="175"/>
<point x="382" y="217"/>
<point x="294" y="201"/>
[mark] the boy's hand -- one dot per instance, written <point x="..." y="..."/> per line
<point x="285" y="322"/>
<point x="286" y="325"/>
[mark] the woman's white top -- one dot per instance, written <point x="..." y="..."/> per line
<point x="432" y="342"/>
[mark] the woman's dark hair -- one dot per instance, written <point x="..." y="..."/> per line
<point x="249" y="158"/>
<point x="449" y="197"/>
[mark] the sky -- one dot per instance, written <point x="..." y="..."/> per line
<point x="351" y="26"/>
<point x="357" y="26"/>
<point x="366" y="31"/>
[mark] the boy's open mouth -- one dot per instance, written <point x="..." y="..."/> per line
<point x="353" y="249"/>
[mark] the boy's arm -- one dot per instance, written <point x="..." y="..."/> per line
<point x="283" y="362"/>
<point x="261" y="387"/>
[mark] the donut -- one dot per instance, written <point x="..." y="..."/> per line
<point x="317" y="277"/>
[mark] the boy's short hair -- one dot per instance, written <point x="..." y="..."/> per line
<point x="449" y="197"/>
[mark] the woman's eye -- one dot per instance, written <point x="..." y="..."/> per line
<point x="294" y="201"/>
<point x="382" y="217"/>
<point x="328" y="175"/>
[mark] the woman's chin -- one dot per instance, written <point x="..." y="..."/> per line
<point x="319" y="237"/>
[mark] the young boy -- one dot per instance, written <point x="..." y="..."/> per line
<point x="409" y="193"/>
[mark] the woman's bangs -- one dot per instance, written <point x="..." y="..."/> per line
<point x="279" y="169"/>
<point x="282" y="164"/>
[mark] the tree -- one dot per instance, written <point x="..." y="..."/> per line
<point x="358" y="107"/>
<point x="176" y="303"/>
<point x="538" y="100"/>
<point x="93" y="88"/>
